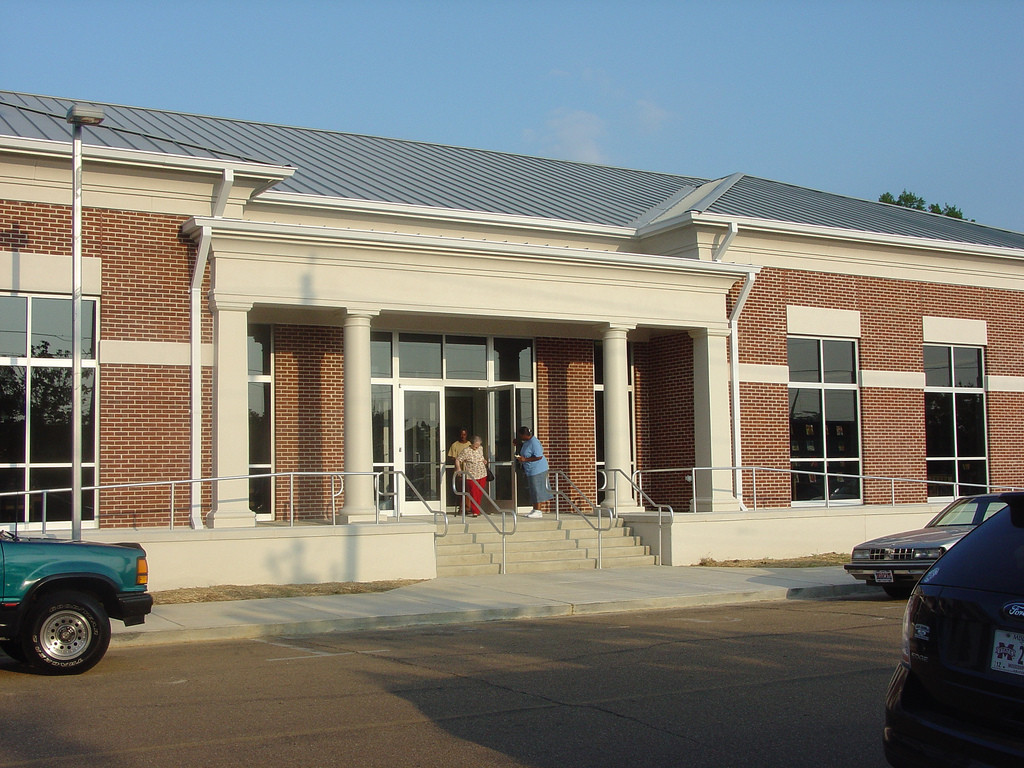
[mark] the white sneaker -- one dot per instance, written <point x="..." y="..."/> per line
<point x="536" y="514"/>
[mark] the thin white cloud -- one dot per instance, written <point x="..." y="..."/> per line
<point x="650" y="117"/>
<point x="573" y="134"/>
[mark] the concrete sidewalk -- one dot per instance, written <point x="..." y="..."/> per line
<point x="487" y="598"/>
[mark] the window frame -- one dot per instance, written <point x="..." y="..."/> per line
<point x="824" y="462"/>
<point x="28" y="513"/>
<point x="958" y="486"/>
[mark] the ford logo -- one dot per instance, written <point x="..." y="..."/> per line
<point x="1014" y="610"/>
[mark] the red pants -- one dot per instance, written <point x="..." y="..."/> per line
<point x="476" y="493"/>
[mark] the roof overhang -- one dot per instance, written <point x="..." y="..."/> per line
<point x="795" y="229"/>
<point x="344" y="236"/>
<point x="264" y="175"/>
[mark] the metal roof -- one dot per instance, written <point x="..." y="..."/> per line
<point x="345" y="165"/>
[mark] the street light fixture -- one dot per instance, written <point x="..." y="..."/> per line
<point x="78" y="115"/>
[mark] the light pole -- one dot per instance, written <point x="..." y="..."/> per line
<point x="78" y="115"/>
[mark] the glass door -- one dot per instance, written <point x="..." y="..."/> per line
<point x="502" y="421"/>
<point x="421" y="446"/>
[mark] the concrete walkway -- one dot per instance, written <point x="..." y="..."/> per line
<point x="487" y="598"/>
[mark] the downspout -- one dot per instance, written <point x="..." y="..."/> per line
<point x="196" y="346"/>
<point x="734" y="364"/>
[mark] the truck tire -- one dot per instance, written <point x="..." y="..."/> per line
<point x="66" y="633"/>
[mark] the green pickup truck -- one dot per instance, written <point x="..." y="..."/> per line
<point x="58" y="596"/>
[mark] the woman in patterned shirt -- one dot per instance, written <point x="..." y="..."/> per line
<point x="473" y="463"/>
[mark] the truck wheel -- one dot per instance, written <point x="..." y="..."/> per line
<point x="66" y="633"/>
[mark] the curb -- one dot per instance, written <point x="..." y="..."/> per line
<point x="131" y="638"/>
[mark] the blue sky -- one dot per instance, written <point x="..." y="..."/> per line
<point x="857" y="97"/>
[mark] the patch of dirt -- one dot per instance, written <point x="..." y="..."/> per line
<point x="224" y="592"/>
<point x="811" y="561"/>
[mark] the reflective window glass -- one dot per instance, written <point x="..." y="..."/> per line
<point x="967" y="367"/>
<point x="805" y="424"/>
<point x="259" y="350"/>
<point x="419" y="356"/>
<point x="465" y="357"/>
<point x="380" y="354"/>
<point x="513" y="359"/>
<point x="51" y="328"/>
<point x="382" y="424"/>
<point x="13" y="325"/>
<point x="938" y="415"/>
<point x="804" y="363"/>
<point x="839" y="361"/>
<point x="259" y="423"/>
<point x="12" y="414"/>
<point x="936" y="367"/>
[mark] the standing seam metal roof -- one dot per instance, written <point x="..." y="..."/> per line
<point x="345" y="165"/>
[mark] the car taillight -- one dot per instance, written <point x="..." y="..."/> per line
<point x="141" y="572"/>
<point x="909" y="631"/>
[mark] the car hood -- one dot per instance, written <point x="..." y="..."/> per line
<point x="939" y="536"/>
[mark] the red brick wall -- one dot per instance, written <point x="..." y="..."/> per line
<point x="565" y="408"/>
<point x="892" y="420"/>
<point x="308" y="397"/>
<point x="663" y="396"/>
<point x="145" y="297"/>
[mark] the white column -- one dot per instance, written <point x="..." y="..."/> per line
<point x="358" y="423"/>
<point x="712" y="421"/>
<point x="230" y="416"/>
<point x="616" y="418"/>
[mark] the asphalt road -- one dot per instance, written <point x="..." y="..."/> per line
<point x="788" y="684"/>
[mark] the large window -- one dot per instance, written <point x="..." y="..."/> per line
<point x="35" y="408"/>
<point x="824" y="431"/>
<point x="261" y="421"/>
<point x="954" y="401"/>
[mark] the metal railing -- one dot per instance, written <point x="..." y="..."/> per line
<point x="609" y="484"/>
<point x="459" y="488"/>
<point x="595" y="509"/>
<point x="689" y="476"/>
<point x="409" y="485"/>
<point x="195" y="506"/>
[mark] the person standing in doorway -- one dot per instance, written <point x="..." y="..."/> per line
<point x="453" y="454"/>
<point x="473" y="464"/>
<point x="535" y="467"/>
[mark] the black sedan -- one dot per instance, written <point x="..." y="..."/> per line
<point x="957" y="697"/>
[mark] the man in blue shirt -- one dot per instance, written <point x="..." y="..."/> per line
<point x="535" y="467"/>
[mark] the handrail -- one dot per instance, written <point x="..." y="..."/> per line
<point x="503" y="532"/>
<point x="638" y="475"/>
<point x="172" y="485"/>
<point x="644" y="498"/>
<point x="409" y="485"/>
<point x="595" y="508"/>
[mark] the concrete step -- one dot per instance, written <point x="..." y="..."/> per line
<point x="468" y="570"/>
<point x="538" y="546"/>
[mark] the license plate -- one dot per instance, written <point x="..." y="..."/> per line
<point x="1008" y="652"/>
<point x="883" y="577"/>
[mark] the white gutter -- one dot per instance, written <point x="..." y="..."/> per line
<point x="734" y="365"/>
<point x="220" y="200"/>
<point x="196" y="371"/>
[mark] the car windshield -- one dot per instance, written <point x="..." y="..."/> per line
<point x="969" y="511"/>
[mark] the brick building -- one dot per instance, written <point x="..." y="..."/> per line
<point x="265" y="299"/>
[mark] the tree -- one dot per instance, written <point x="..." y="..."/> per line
<point x="910" y="200"/>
